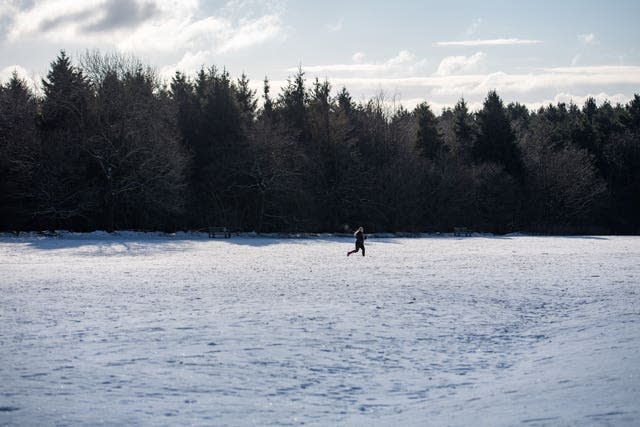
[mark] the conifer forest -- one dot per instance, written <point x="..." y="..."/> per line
<point x="107" y="145"/>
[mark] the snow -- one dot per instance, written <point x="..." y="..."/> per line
<point x="153" y="329"/>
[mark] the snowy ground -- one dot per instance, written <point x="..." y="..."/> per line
<point x="139" y="330"/>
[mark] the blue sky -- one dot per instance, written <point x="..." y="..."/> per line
<point x="534" y="52"/>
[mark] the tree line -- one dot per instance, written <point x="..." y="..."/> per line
<point x="108" y="146"/>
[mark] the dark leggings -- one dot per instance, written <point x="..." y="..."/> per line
<point x="358" y="246"/>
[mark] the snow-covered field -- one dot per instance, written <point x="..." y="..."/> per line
<point x="185" y="330"/>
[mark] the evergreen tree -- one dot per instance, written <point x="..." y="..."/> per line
<point x="267" y="108"/>
<point x="60" y="184"/>
<point x="585" y="133"/>
<point x="187" y="107"/>
<point x="464" y="130"/>
<point x="247" y="101"/>
<point x="293" y="105"/>
<point x="618" y="158"/>
<point x="274" y="170"/>
<point x="66" y="96"/>
<point x="633" y="113"/>
<point x="19" y="152"/>
<point x="496" y="141"/>
<point x="334" y="165"/>
<point x="219" y="148"/>
<point x="428" y="139"/>
<point x="345" y="102"/>
<point x="623" y="207"/>
<point x="398" y="183"/>
<point x="379" y="157"/>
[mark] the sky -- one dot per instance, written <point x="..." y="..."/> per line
<point x="408" y="51"/>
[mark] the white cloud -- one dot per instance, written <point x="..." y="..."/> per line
<point x="8" y="9"/>
<point x="545" y="79"/>
<point x="250" y="33"/>
<point x="587" y="38"/>
<point x="238" y="9"/>
<point x="33" y="80"/>
<point x="554" y="79"/>
<point x="174" y="34"/>
<point x="65" y="20"/>
<point x="437" y="106"/>
<point x="458" y="76"/>
<point x="190" y="64"/>
<point x="404" y="63"/>
<point x="460" y="64"/>
<point x="452" y="80"/>
<point x="358" y="57"/>
<point x="402" y="58"/>
<point x="622" y="71"/>
<point x="6" y="72"/>
<point x="337" y="68"/>
<point x="490" y="42"/>
<point x="159" y="25"/>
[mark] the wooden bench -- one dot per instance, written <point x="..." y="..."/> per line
<point x="219" y="232"/>
<point x="459" y="231"/>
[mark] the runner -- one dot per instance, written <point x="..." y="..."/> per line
<point x="360" y="238"/>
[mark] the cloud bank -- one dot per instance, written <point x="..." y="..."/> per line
<point x="458" y="76"/>
<point x="460" y="64"/>
<point x="404" y="63"/>
<point x="140" y="25"/>
<point x="489" y="42"/>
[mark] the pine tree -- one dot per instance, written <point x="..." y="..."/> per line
<point x="219" y="147"/>
<point x="633" y="111"/>
<point x="428" y="138"/>
<point x="345" y="102"/>
<point x="464" y="130"/>
<point x="19" y="151"/>
<point x="293" y="105"/>
<point x="496" y="141"/>
<point x="63" y="196"/>
<point x="267" y="107"/>
<point x="246" y="99"/>
<point x="66" y="96"/>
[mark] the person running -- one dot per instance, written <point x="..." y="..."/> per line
<point x="360" y="238"/>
